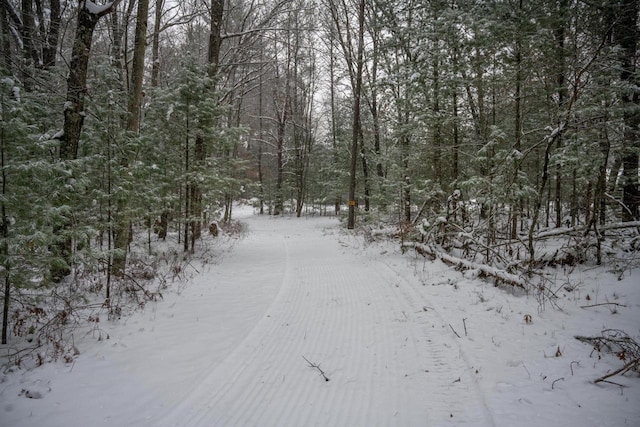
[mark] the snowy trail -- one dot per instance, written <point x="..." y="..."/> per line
<point x="364" y="325"/>
<point x="228" y="348"/>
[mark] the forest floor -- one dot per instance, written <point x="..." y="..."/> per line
<point x="299" y="322"/>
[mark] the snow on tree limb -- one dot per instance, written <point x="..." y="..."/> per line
<point x="100" y="9"/>
<point x="487" y="270"/>
<point x="562" y="231"/>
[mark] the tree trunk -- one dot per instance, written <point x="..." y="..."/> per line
<point x="5" y="43"/>
<point x="516" y="202"/>
<point x="562" y="96"/>
<point x="50" y="49"/>
<point x="334" y="118"/>
<point x="123" y="231"/>
<point x="357" y="91"/>
<point x="4" y="232"/>
<point x="74" y="113"/>
<point x="155" y="45"/>
<point x="28" y="30"/>
<point x="215" y="36"/>
<point x="365" y="172"/>
<point x="282" y="121"/>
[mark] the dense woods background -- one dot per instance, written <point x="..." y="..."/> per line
<point x="478" y="127"/>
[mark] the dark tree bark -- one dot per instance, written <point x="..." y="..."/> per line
<point x="28" y="31"/>
<point x="51" y="35"/>
<point x="561" y="91"/>
<point x="281" y="126"/>
<point x="515" y="208"/>
<point x="74" y="112"/>
<point x="77" y="80"/>
<point x="4" y="233"/>
<point x="155" y="45"/>
<point x="123" y="232"/>
<point x="357" y="91"/>
<point x="5" y="44"/>
<point x="215" y="37"/>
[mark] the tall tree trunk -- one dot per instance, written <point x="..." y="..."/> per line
<point x="155" y="45"/>
<point x="74" y="112"/>
<point x="357" y="91"/>
<point x="282" y="122"/>
<point x="123" y="230"/>
<point x="437" y="125"/>
<point x="518" y="125"/>
<point x="50" y="48"/>
<point x="561" y="90"/>
<point x="28" y="30"/>
<point x="455" y="168"/>
<point x="187" y="191"/>
<point x="4" y="232"/>
<point x="5" y="41"/>
<point x="365" y="172"/>
<point x="215" y="36"/>
<point x="261" y="138"/>
<point x="334" y="117"/>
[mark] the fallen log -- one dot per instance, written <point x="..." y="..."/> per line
<point x="486" y="270"/>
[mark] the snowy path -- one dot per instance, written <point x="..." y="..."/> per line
<point x="228" y="348"/>
<point x="360" y="322"/>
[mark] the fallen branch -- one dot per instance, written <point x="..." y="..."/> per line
<point x="313" y="365"/>
<point x="501" y="275"/>
<point x="454" y="331"/>
<point x="618" y="343"/>
<point x="603" y="303"/>
<point x="634" y="363"/>
<point x="554" y="383"/>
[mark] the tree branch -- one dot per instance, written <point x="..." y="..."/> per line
<point x="313" y="365"/>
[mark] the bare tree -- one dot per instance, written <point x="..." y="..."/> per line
<point x="133" y="128"/>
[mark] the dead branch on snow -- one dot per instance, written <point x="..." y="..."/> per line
<point x="313" y="365"/>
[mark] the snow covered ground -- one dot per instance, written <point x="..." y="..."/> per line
<point x="394" y="340"/>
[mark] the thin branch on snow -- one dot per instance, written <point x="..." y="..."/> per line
<point x="454" y="331"/>
<point x="313" y="365"/>
<point x="622" y="370"/>
<point x="603" y="303"/>
<point x="554" y="383"/>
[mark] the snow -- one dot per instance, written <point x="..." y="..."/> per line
<point x="97" y="9"/>
<point x="16" y="93"/>
<point x="403" y="340"/>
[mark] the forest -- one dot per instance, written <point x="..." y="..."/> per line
<point x="474" y="130"/>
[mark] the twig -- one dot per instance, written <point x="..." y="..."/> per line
<point x="614" y="383"/>
<point x="554" y="382"/>
<point x="144" y="291"/>
<point x="464" y="323"/>
<point x="313" y="365"/>
<point x="603" y="303"/>
<point x="624" y="369"/>
<point x="525" y="368"/>
<point x="454" y="331"/>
